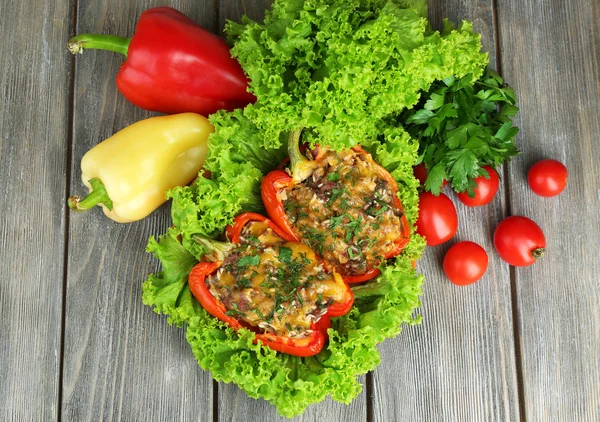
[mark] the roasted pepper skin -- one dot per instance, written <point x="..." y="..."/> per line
<point x="137" y="165"/>
<point x="173" y="65"/>
<point x="277" y="180"/>
<point x="308" y="346"/>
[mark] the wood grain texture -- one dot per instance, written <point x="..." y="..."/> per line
<point x="239" y="406"/>
<point x="122" y="362"/>
<point x="551" y="52"/>
<point x="235" y="9"/>
<point x="236" y="406"/>
<point x="459" y="364"/>
<point x="34" y="109"/>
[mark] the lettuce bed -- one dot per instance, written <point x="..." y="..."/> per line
<point x="343" y="71"/>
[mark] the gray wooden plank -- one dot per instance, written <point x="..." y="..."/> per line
<point x="551" y="50"/>
<point x="239" y="407"/>
<point x="459" y="363"/>
<point x="235" y="405"/>
<point x="34" y="108"/>
<point x="121" y="360"/>
<point x="235" y="9"/>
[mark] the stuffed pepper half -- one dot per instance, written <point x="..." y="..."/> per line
<point x="342" y="204"/>
<point x="265" y="281"/>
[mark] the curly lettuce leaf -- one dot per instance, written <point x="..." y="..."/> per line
<point x="237" y="160"/>
<point x="291" y="383"/>
<point x="288" y="382"/>
<point x="338" y="67"/>
<point x="343" y="70"/>
<point x="167" y="291"/>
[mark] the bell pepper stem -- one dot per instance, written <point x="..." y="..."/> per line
<point x="100" y="42"/>
<point x="216" y="251"/>
<point x="301" y="167"/>
<point x="296" y="156"/>
<point x="98" y="195"/>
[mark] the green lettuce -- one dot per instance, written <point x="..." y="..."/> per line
<point x="343" y="71"/>
<point x="289" y="382"/>
<point x="339" y="67"/>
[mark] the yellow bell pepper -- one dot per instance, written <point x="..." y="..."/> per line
<point x="129" y="173"/>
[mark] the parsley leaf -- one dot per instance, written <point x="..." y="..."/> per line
<point x="336" y="221"/>
<point x="333" y="177"/>
<point x="285" y="255"/>
<point x="461" y="126"/>
<point x="248" y="260"/>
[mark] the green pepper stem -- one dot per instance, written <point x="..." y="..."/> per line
<point x="301" y="167"/>
<point x="98" y="195"/>
<point x="217" y="251"/>
<point x="100" y="42"/>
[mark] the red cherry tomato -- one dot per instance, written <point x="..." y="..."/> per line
<point x="484" y="192"/>
<point x="420" y="173"/>
<point x="547" y="177"/>
<point x="519" y="241"/>
<point x="465" y="263"/>
<point x="437" y="220"/>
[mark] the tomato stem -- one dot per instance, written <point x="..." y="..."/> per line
<point x="538" y="252"/>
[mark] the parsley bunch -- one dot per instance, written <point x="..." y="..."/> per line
<point x="461" y="126"/>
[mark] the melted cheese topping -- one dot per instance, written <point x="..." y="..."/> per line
<point x="345" y="211"/>
<point x="275" y="285"/>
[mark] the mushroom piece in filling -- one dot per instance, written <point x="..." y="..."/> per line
<point x="275" y="285"/>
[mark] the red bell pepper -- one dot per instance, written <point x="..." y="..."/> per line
<point x="301" y="168"/>
<point x="305" y="346"/>
<point x="173" y="65"/>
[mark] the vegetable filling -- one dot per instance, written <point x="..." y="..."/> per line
<point x="273" y="284"/>
<point x="345" y="211"/>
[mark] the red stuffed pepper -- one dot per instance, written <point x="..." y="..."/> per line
<point x="267" y="282"/>
<point x="173" y="65"/>
<point x="342" y="204"/>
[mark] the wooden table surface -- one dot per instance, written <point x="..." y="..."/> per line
<point x="77" y="344"/>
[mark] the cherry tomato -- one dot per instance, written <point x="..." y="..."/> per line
<point x="465" y="263"/>
<point x="547" y="177"/>
<point x="420" y="173"/>
<point x="437" y="220"/>
<point x="519" y="241"/>
<point x="484" y="192"/>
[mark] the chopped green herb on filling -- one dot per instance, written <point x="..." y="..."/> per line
<point x="273" y="284"/>
<point x="345" y="212"/>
